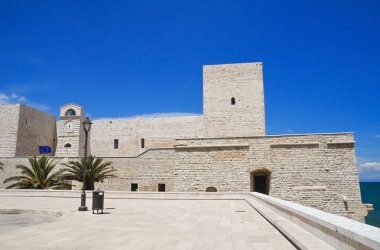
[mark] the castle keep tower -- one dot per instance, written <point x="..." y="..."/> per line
<point x="70" y="131"/>
<point x="233" y="100"/>
<point x="24" y="129"/>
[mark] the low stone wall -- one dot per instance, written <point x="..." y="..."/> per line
<point x="337" y="231"/>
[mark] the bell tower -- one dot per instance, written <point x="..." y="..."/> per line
<point x="70" y="131"/>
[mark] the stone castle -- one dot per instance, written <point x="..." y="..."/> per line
<point x="225" y="150"/>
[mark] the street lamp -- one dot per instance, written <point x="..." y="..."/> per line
<point x="86" y="126"/>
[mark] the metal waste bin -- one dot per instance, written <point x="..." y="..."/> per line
<point x="97" y="201"/>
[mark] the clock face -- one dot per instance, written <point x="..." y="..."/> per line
<point x="69" y="127"/>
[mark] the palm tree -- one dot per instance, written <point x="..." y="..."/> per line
<point x="38" y="176"/>
<point x="96" y="170"/>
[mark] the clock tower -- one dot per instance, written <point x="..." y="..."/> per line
<point x="70" y="131"/>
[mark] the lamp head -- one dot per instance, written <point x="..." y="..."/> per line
<point x="87" y="124"/>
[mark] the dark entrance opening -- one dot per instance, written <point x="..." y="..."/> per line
<point x="260" y="184"/>
<point x="161" y="187"/>
<point x="260" y="181"/>
<point x="134" y="187"/>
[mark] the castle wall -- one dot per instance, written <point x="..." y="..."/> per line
<point x="313" y="170"/>
<point x="316" y="171"/>
<point x="148" y="170"/>
<point x="35" y="128"/>
<point x="9" y="116"/>
<point x="23" y="129"/>
<point x="156" y="132"/>
<point x="224" y="168"/>
<point x="244" y="83"/>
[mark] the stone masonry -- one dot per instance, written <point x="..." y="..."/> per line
<point x="225" y="149"/>
<point x="23" y="129"/>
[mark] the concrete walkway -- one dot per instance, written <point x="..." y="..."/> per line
<point x="143" y="224"/>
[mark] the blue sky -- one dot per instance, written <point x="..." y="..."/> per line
<point x="127" y="58"/>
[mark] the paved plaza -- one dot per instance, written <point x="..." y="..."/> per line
<point x="142" y="224"/>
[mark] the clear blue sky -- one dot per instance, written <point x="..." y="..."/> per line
<point x="124" y="58"/>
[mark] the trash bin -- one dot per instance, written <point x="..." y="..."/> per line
<point x="97" y="201"/>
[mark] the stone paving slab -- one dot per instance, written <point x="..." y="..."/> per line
<point x="143" y="224"/>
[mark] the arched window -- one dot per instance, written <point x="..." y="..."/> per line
<point x="70" y="112"/>
<point x="233" y="101"/>
<point x="211" y="189"/>
<point x="67" y="145"/>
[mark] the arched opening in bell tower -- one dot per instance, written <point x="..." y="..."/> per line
<point x="70" y="112"/>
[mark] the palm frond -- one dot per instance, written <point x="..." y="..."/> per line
<point x="38" y="176"/>
<point x="15" y="178"/>
<point x="96" y="170"/>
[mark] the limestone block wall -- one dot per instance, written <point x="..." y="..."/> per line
<point x="224" y="168"/>
<point x="23" y="129"/>
<point x="129" y="133"/>
<point x="244" y="83"/>
<point x="9" y="167"/>
<point x="9" y="116"/>
<point x="315" y="170"/>
<point x="148" y="170"/>
<point x="35" y="128"/>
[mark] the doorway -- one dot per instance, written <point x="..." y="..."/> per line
<point x="260" y="181"/>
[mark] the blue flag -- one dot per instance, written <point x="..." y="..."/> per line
<point x="44" y="150"/>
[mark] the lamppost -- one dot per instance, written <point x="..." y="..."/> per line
<point x="86" y="126"/>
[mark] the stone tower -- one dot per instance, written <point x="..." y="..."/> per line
<point x="70" y="131"/>
<point x="233" y="100"/>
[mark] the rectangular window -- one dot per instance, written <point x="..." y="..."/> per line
<point x="142" y="143"/>
<point x="134" y="187"/>
<point x="116" y="143"/>
<point x="161" y="187"/>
